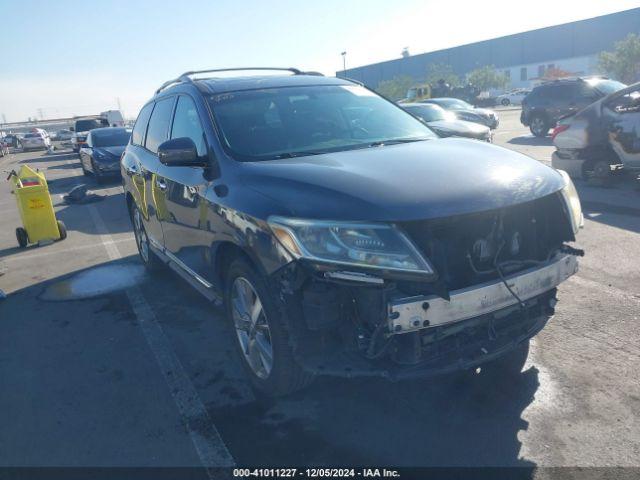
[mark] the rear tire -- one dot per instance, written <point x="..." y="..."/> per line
<point x="22" y="237"/>
<point x="260" y="335"/>
<point x="505" y="102"/>
<point x="149" y="259"/>
<point x="539" y="126"/>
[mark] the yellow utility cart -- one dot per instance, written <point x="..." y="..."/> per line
<point x="35" y="207"/>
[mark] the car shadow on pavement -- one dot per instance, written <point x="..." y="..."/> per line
<point x="86" y="333"/>
<point x="112" y="207"/>
<point x="455" y="420"/>
<point x="45" y="157"/>
<point x="459" y="421"/>
<point x="65" y="166"/>
<point x="618" y="208"/>
<point x="531" y="140"/>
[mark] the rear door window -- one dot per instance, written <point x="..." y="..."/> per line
<point x="140" y="128"/>
<point x="158" y="130"/>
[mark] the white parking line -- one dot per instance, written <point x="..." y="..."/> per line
<point x="204" y="435"/>
<point x="30" y="256"/>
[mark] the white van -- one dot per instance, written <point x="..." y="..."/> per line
<point x="114" y="117"/>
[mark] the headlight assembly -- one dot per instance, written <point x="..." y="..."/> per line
<point x="371" y="246"/>
<point x="572" y="200"/>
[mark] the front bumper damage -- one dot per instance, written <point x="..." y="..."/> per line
<point x="357" y="325"/>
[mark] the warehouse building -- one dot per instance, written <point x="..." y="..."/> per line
<point x="524" y="57"/>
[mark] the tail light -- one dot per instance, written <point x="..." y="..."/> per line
<point x="557" y="130"/>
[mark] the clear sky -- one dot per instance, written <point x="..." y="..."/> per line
<point x="70" y="57"/>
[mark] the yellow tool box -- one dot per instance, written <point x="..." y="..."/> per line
<point x="35" y="207"/>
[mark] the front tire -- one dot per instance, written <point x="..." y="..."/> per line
<point x="260" y="335"/>
<point x="505" y="102"/>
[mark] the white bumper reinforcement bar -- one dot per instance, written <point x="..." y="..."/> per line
<point x="415" y="313"/>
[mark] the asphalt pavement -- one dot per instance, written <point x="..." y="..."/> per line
<point x="101" y="365"/>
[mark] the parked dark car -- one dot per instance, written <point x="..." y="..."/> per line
<point x="466" y="111"/>
<point x="12" y="140"/>
<point x="601" y="138"/>
<point x="547" y="103"/>
<point x="102" y="151"/>
<point x="342" y="239"/>
<point x="445" y="124"/>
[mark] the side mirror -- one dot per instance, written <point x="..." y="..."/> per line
<point x="180" y="152"/>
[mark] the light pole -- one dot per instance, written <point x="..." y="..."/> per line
<point x="344" y="63"/>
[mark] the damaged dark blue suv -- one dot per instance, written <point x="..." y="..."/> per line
<point x="343" y="236"/>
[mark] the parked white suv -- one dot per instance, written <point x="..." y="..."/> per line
<point x="36" y="139"/>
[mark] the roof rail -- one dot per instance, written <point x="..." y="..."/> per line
<point x="186" y="76"/>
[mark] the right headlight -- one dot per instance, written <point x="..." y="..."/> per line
<point x="369" y="246"/>
<point x="572" y="201"/>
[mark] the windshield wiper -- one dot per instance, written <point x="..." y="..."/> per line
<point x="394" y="141"/>
<point x="294" y="155"/>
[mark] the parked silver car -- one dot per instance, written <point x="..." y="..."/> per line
<point x="600" y="138"/>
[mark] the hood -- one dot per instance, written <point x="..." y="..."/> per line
<point x="421" y="180"/>
<point x="474" y="113"/>
<point x="111" y="152"/>
<point x="460" y="128"/>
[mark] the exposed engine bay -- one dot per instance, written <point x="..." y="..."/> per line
<point x="496" y="285"/>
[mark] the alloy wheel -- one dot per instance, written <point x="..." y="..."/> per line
<point x="252" y="327"/>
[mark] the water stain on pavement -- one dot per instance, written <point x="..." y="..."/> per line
<point x="95" y="282"/>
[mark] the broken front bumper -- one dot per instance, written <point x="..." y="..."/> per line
<point x="416" y="313"/>
<point x="428" y="335"/>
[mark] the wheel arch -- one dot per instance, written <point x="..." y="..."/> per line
<point x="224" y="253"/>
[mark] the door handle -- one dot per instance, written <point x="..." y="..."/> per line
<point x="132" y="169"/>
<point x="161" y="184"/>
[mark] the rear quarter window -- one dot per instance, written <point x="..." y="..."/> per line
<point x="140" y="128"/>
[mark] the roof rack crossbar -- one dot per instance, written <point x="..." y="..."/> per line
<point x="186" y="76"/>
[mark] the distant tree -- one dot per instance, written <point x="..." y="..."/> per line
<point x="405" y="52"/>
<point x="441" y="71"/>
<point x="486" y="78"/>
<point x="623" y="63"/>
<point x="396" y="88"/>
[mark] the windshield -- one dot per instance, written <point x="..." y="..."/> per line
<point x="296" y="121"/>
<point x="116" y="138"/>
<point x="429" y="113"/>
<point x="606" y="86"/>
<point x="453" y="104"/>
<point x="86" y="125"/>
